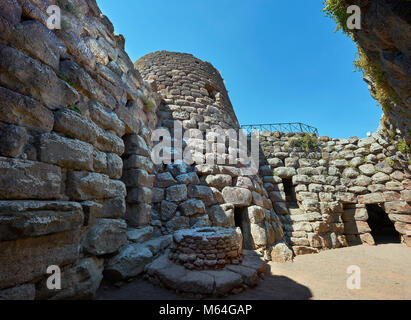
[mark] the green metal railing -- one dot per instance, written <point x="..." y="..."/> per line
<point x="281" y="127"/>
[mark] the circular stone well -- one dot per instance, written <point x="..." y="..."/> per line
<point x="206" y="248"/>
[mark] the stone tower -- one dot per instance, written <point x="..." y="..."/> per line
<point x="203" y="195"/>
<point x="193" y="91"/>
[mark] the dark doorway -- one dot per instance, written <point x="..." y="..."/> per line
<point x="382" y="228"/>
<point x="241" y="221"/>
<point x="289" y="190"/>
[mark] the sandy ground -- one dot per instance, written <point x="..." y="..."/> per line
<point x="385" y="274"/>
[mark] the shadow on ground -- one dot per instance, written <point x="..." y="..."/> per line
<point x="270" y="288"/>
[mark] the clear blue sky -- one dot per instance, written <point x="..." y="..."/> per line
<point x="281" y="60"/>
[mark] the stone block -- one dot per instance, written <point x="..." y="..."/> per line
<point x="24" y="179"/>
<point x="26" y="259"/>
<point x="26" y="218"/>
<point x="23" y="111"/>
<point x="66" y="153"/>
<point x="82" y="186"/>
<point x="129" y="262"/>
<point x="105" y="236"/>
<point x="237" y="196"/>
<point x="138" y="215"/>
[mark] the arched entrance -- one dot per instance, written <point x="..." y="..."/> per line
<point x="382" y="228"/>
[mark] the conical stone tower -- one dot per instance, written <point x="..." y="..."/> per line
<point x="202" y="195"/>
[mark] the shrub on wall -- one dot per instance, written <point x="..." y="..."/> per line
<point x="382" y="90"/>
<point x="307" y="143"/>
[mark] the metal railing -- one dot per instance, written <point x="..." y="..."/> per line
<point x="281" y="127"/>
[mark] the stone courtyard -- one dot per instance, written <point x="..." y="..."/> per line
<point x="80" y="187"/>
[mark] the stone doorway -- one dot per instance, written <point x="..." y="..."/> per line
<point x="382" y="228"/>
<point x="289" y="191"/>
<point x="241" y="221"/>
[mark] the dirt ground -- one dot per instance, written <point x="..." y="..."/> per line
<point x="385" y="274"/>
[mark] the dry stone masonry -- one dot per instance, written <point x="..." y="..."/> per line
<point x="322" y="194"/>
<point x="71" y="106"/>
<point x="79" y="188"/>
<point x="207" y="248"/>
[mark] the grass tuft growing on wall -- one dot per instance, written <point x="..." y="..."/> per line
<point x="383" y="92"/>
<point x="307" y="143"/>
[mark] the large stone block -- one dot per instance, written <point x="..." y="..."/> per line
<point x="135" y="144"/>
<point x="176" y="193"/>
<point x="139" y="162"/>
<point x="168" y="210"/>
<point x="26" y="218"/>
<point x="75" y="126"/>
<point x="106" y="119"/>
<point x="114" y="166"/>
<point x="132" y="124"/>
<point x="109" y="142"/>
<point x="281" y="253"/>
<point x="140" y="235"/>
<point x="23" y="179"/>
<point x="129" y="262"/>
<point x="192" y="207"/>
<point x="204" y="193"/>
<point x="164" y="180"/>
<point x="138" y="178"/>
<point x="26" y="259"/>
<point x="138" y="215"/>
<point x="83" y="186"/>
<point x="372" y="198"/>
<point x="67" y="153"/>
<point x="17" y="70"/>
<point x="237" y="196"/>
<point x="141" y="194"/>
<point x="11" y="10"/>
<point x="105" y="236"/>
<point x="397" y="207"/>
<point x="23" y="111"/>
<point x="219" y="181"/>
<point x="80" y="281"/>
<point x="85" y="83"/>
<point x="13" y="140"/>
<point x="39" y="42"/>
<point x="222" y="215"/>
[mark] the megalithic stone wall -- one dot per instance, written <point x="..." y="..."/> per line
<point x="69" y="100"/>
<point x="321" y="192"/>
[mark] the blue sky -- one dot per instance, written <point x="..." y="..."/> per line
<point x="281" y="60"/>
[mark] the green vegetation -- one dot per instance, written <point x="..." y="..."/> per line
<point x="391" y="162"/>
<point x="70" y="8"/>
<point x="65" y="78"/>
<point x="149" y="105"/>
<point x="352" y="165"/>
<point x="74" y="108"/>
<point x="382" y="91"/>
<point x="307" y="143"/>
<point x="403" y="147"/>
<point x="337" y="10"/>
